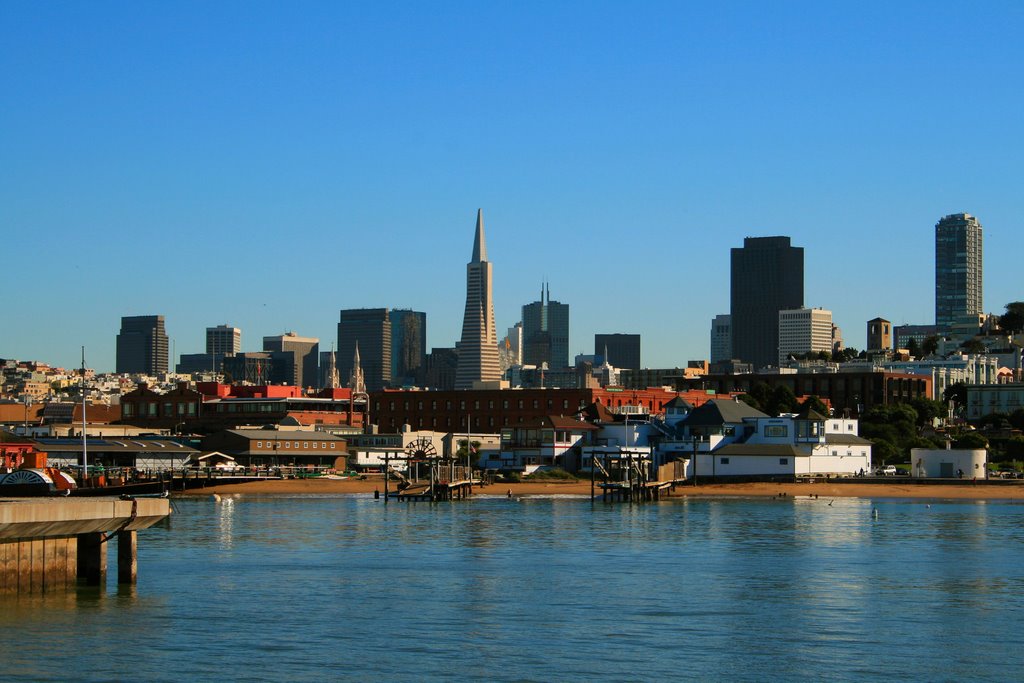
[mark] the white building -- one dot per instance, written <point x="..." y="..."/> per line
<point x="949" y="463"/>
<point x="804" y="330"/>
<point x="945" y="372"/>
<point x="984" y="400"/>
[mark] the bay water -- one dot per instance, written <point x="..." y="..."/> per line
<point x="311" y="588"/>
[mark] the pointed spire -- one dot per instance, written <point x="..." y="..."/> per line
<point x="479" y="246"/>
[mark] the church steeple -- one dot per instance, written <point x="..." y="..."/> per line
<point x="356" y="382"/>
<point x="479" y="246"/>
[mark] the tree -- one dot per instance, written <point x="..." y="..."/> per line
<point x="973" y="345"/>
<point x="956" y="393"/>
<point x="814" y="403"/>
<point x="914" y="349"/>
<point x="783" y="400"/>
<point x="927" y="410"/>
<point x="971" y="440"/>
<point x="1013" y="320"/>
<point x="1017" y="419"/>
<point x="930" y="345"/>
<point x="751" y="401"/>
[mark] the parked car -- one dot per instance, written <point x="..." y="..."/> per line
<point x="890" y="471"/>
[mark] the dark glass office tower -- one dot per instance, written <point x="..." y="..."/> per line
<point x="546" y="332"/>
<point x="623" y="350"/>
<point x="958" y="291"/>
<point x="142" y="345"/>
<point x="371" y="328"/>
<point x="767" y="277"/>
<point x="408" y="346"/>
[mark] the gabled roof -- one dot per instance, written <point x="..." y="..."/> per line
<point x="806" y="412"/>
<point x="679" y="402"/>
<point x="597" y="412"/>
<point x="718" y="412"/>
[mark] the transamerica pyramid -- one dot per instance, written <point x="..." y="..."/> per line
<point x="478" y="351"/>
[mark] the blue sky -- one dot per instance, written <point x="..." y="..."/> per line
<point x="267" y="164"/>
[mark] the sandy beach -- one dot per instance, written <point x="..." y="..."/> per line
<point x="895" y="489"/>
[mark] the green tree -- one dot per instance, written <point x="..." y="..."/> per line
<point x="1014" y="447"/>
<point x="1013" y="320"/>
<point x="970" y="440"/>
<point x="1016" y="419"/>
<point x="914" y="349"/>
<point x="956" y="393"/>
<point x="814" y="403"/>
<point x="783" y="400"/>
<point x="751" y="401"/>
<point x="973" y="345"/>
<point x="460" y="454"/>
<point x="930" y="345"/>
<point x="927" y="410"/>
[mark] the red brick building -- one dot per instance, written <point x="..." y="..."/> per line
<point x="490" y="410"/>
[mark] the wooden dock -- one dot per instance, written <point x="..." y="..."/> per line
<point x="439" y="491"/>
<point x="52" y="544"/>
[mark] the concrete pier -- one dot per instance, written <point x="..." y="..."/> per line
<point x="52" y="544"/>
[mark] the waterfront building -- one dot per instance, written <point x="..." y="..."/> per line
<point x="278" y="447"/>
<point x="803" y="331"/>
<point x="224" y="340"/>
<point x="619" y="350"/>
<point x="546" y="332"/>
<point x="879" y="336"/>
<point x="370" y="330"/>
<point x="478" y="349"/>
<point x="408" y="346"/>
<point x="945" y="372"/>
<point x="721" y="338"/>
<point x="142" y="345"/>
<point x="297" y="359"/>
<point x="767" y="277"/>
<point x="958" y="268"/>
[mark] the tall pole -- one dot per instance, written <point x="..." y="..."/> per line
<point x="85" y="444"/>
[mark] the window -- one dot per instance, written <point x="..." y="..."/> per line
<point x="565" y="404"/>
<point x="287" y="444"/>
<point x="504" y="404"/>
<point x="314" y="444"/>
<point x="129" y="409"/>
<point x="723" y="461"/>
<point x="783" y="461"/>
<point x="259" y="444"/>
<point x="775" y="431"/>
<point x="296" y="444"/>
<point x="520" y="404"/>
<point x="332" y="445"/>
<point x="462" y="405"/>
<point x="476" y="405"/>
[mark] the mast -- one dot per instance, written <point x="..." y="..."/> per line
<point x="85" y="453"/>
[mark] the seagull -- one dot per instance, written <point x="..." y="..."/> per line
<point x="831" y="501"/>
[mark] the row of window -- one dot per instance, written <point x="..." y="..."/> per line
<point x="476" y="404"/>
<point x="152" y="409"/>
<point x="288" y="444"/>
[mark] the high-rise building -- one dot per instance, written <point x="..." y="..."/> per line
<point x="621" y="351"/>
<point x="546" y="332"/>
<point x="142" y="345"/>
<point x="408" y="346"/>
<point x="721" y="338"/>
<point x="958" y="269"/>
<point x="803" y="331"/>
<point x="510" y="348"/>
<point x="879" y="335"/>
<point x="223" y="339"/>
<point x="297" y="359"/>
<point x="767" y="277"/>
<point x="478" y="350"/>
<point x="370" y="328"/>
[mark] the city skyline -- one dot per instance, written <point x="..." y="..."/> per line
<point x="831" y="125"/>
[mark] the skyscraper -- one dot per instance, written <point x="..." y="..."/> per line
<point x="767" y="277"/>
<point x="371" y="329"/>
<point x="408" y="346"/>
<point x="478" y="350"/>
<point x="546" y="332"/>
<point x="621" y="351"/>
<point x="223" y="339"/>
<point x="958" y="269"/>
<point x="142" y="345"/>
<point x="721" y="338"/>
<point x="297" y="359"/>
